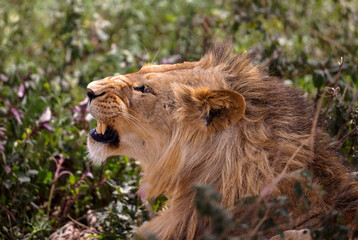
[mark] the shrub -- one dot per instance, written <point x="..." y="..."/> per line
<point x="51" y="50"/>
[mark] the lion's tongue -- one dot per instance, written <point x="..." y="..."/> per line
<point x="101" y="127"/>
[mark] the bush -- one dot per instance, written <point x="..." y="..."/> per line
<point x="50" y="50"/>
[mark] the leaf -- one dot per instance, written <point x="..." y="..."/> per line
<point x="17" y="114"/>
<point x="47" y="126"/>
<point x="112" y="183"/>
<point x="90" y="175"/>
<point x="298" y="189"/>
<point x="72" y="179"/>
<point x="24" y="179"/>
<point x="46" y="116"/>
<point x="318" y="78"/>
<point x="7" y="169"/>
<point x="306" y="174"/>
<point x="3" y="77"/>
<point x="21" y="91"/>
<point x="48" y="177"/>
<point x="2" y="147"/>
<point x="7" y="184"/>
<point x="32" y="172"/>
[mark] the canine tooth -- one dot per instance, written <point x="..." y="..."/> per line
<point x="104" y="127"/>
<point x="99" y="127"/>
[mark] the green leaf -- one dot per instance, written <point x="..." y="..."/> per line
<point x="298" y="189"/>
<point x="72" y="179"/>
<point x="48" y="177"/>
<point x="318" y="78"/>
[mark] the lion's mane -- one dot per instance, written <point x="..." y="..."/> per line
<point x="274" y="134"/>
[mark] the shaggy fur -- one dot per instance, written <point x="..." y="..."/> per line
<point x="220" y="121"/>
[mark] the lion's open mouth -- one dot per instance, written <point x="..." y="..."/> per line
<point x="104" y="134"/>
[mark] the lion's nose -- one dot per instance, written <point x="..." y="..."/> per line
<point x="91" y="95"/>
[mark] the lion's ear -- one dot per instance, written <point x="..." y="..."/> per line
<point x="218" y="108"/>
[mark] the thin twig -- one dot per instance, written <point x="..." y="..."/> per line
<point x="344" y="139"/>
<point x="259" y="225"/>
<point x="50" y="198"/>
<point x="344" y="91"/>
<point x="349" y="111"/>
<point x="78" y="223"/>
<point x="334" y="93"/>
<point x="8" y="212"/>
<point x="315" y="120"/>
<point x="267" y="190"/>
<point x="82" y="225"/>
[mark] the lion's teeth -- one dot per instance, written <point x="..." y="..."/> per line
<point x="99" y="128"/>
<point x="104" y="127"/>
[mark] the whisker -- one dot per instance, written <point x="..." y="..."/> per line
<point x="133" y="120"/>
<point x="156" y="54"/>
<point x="130" y="118"/>
<point x="146" y="50"/>
<point x="128" y="115"/>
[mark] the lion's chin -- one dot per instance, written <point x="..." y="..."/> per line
<point x="98" y="152"/>
<point x="99" y="144"/>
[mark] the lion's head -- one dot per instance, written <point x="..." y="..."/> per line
<point x="219" y="121"/>
<point x="157" y="113"/>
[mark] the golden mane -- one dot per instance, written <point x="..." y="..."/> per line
<point x="242" y="155"/>
<point x="273" y="134"/>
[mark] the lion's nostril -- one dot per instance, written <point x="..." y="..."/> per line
<point x="90" y="94"/>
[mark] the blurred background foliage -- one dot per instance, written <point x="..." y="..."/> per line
<point x="50" y="50"/>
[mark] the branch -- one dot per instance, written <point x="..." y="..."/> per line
<point x="333" y="92"/>
<point x="82" y="225"/>
<point x="344" y="139"/>
<point x="349" y="111"/>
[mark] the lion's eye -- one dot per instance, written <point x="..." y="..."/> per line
<point x="143" y="89"/>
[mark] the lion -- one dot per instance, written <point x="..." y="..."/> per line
<point x="220" y="121"/>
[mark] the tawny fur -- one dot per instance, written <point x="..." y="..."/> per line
<point x="260" y="127"/>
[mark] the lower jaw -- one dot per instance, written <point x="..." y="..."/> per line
<point x="110" y="137"/>
<point x="97" y="154"/>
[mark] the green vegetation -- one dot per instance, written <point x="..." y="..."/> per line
<point x="50" y="50"/>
